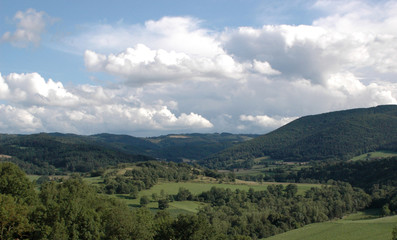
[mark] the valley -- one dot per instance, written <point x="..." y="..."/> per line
<point x="333" y="174"/>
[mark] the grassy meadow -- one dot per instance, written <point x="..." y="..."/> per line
<point x="358" y="226"/>
<point x="374" y="155"/>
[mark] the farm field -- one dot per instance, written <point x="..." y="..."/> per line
<point x="374" y="155"/>
<point x="361" y="225"/>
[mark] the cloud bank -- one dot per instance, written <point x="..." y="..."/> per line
<point x="173" y="75"/>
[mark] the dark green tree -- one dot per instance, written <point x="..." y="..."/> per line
<point x="394" y="233"/>
<point x="13" y="181"/>
<point x="144" y="201"/>
<point x="14" y="219"/>
<point x="163" y="204"/>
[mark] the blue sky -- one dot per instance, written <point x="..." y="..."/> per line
<point x="147" y="68"/>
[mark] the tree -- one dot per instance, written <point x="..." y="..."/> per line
<point x="14" y="222"/>
<point x="144" y="227"/>
<point x="163" y="204"/>
<point x="69" y="210"/>
<point x="193" y="227"/>
<point x="183" y="194"/>
<point x="163" y="222"/>
<point x="394" y="233"/>
<point x="13" y="181"/>
<point x="386" y="210"/>
<point x="291" y="190"/>
<point x="144" y="201"/>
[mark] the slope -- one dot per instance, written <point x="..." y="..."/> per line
<point x="329" y="136"/>
<point x="344" y="229"/>
<point x="55" y="153"/>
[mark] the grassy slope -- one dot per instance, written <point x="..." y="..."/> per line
<point x="374" y="155"/>
<point x="354" y="227"/>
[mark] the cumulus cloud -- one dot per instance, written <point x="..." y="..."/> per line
<point x="141" y="65"/>
<point x="255" y="74"/>
<point x="172" y="74"/>
<point x="30" y="25"/>
<point x="266" y="121"/>
<point x="31" y="89"/>
<point x="17" y="120"/>
<point x="35" y="104"/>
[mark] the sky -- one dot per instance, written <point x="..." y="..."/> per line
<point x="149" y="68"/>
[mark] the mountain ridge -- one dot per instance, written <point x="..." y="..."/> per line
<point x="327" y="136"/>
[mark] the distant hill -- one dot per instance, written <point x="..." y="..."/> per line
<point x="49" y="153"/>
<point x="54" y="153"/>
<point x="336" y="135"/>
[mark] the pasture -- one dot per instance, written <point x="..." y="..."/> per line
<point x="374" y="155"/>
<point x="361" y="225"/>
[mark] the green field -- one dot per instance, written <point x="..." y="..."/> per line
<point x="198" y="187"/>
<point x="374" y="155"/>
<point x="362" y="225"/>
<point x="33" y="177"/>
<point x="176" y="207"/>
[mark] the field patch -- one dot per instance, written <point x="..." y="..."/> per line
<point x="353" y="227"/>
<point x="374" y="155"/>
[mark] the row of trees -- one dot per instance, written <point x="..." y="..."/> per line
<point x="277" y="209"/>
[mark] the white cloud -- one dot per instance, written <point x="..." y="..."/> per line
<point x="38" y="105"/>
<point x="178" y="34"/>
<point x="173" y="75"/>
<point x="31" y="89"/>
<point x="264" y="68"/>
<point x="31" y="25"/>
<point x="266" y="121"/>
<point x="142" y="65"/>
<point x="17" y="120"/>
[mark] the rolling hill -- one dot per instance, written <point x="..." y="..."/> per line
<point x="337" y="135"/>
<point x="54" y="153"/>
<point x="174" y="147"/>
<point x="49" y="153"/>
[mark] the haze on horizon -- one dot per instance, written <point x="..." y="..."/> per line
<point x="152" y="68"/>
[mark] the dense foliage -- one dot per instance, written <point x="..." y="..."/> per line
<point x="74" y="210"/>
<point x="174" y="147"/>
<point x="48" y="154"/>
<point x="56" y="153"/>
<point x="330" y="136"/>
<point x="363" y="174"/>
<point x="144" y="175"/>
<point x="264" y="213"/>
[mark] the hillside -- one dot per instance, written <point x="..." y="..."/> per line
<point x="174" y="147"/>
<point x="49" y="153"/>
<point x="354" y="227"/>
<point x="336" y="135"/>
<point x="55" y="153"/>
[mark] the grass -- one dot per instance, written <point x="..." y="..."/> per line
<point x="33" y="177"/>
<point x="93" y="180"/>
<point x="374" y="155"/>
<point x="361" y="225"/>
<point x="198" y="187"/>
<point x="172" y="188"/>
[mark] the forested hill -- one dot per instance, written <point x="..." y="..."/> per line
<point x="335" y="135"/>
<point x="53" y="153"/>
<point x="48" y="153"/>
<point x="174" y="147"/>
